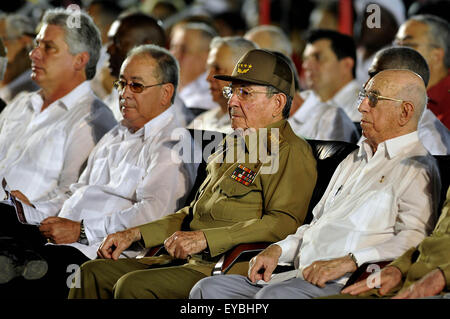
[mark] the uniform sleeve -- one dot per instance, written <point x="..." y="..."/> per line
<point x="154" y="233"/>
<point x="286" y="192"/>
<point x="405" y="261"/>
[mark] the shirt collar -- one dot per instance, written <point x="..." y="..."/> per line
<point x="69" y="100"/>
<point x="391" y="147"/>
<point x="152" y="127"/>
<point x="343" y="95"/>
<point x="308" y="107"/>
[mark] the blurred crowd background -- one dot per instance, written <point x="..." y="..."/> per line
<point x="235" y="17"/>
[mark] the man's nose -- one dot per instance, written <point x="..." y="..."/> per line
<point x="34" y="53"/>
<point x="364" y="105"/>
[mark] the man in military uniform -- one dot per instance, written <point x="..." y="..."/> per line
<point x="249" y="199"/>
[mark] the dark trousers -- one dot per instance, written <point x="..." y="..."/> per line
<point x="62" y="261"/>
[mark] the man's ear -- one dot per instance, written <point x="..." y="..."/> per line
<point x="168" y="92"/>
<point x="347" y="63"/>
<point x="81" y="60"/>
<point x="437" y="56"/>
<point x="280" y="100"/>
<point x="407" y="112"/>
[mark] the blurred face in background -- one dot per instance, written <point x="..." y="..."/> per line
<point x="220" y="61"/>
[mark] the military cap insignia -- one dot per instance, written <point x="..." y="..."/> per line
<point x="243" y="67"/>
<point x="243" y="175"/>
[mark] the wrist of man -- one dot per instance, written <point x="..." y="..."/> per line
<point x="353" y="259"/>
<point x="82" y="239"/>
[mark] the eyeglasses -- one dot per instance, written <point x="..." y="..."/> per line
<point x="374" y="98"/>
<point x="241" y="92"/>
<point x="119" y="85"/>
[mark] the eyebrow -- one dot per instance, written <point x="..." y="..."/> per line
<point x="132" y="78"/>
<point x="44" y="41"/>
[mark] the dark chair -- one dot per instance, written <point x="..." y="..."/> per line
<point x="328" y="155"/>
<point x="443" y="162"/>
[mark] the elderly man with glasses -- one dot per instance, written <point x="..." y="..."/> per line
<point x="379" y="202"/>
<point x="134" y="175"/>
<point x="260" y="195"/>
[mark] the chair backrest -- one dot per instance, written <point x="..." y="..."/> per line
<point x="207" y="142"/>
<point x="443" y="162"/>
<point x="328" y="155"/>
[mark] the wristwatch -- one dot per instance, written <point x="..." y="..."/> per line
<point x="83" y="238"/>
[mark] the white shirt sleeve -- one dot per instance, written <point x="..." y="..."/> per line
<point x="159" y="194"/>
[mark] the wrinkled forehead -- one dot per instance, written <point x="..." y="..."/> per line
<point x="381" y="84"/>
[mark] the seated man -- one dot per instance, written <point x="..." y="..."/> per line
<point x="130" y="30"/>
<point x="248" y="199"/>
<point x="329" y="64"/>
<point x="422" y="271"/>
<point x="133" y="176"/>
<point x="432" y="133"/>
<point x="223" y="55"/>
<point x="189" y="43"/>
<point x="430" y="36"/>
<point x="18" y="33"/>
<point x="379" y="202"/>
<point x="46" y="136"/>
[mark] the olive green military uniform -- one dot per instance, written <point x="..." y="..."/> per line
<point x="229" y="209"/>
<point x="433" y="252"/>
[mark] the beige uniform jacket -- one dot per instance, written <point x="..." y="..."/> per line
<point x="268" y="208"/>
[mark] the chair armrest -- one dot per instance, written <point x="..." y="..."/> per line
<point x="152" y="251"/>
<point x="237" y="253"/>
<point x="361" y="273"/>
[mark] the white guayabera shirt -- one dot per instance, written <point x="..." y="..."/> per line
<point x="376" y="206"/>
<point x="130" y="179"/>
<point x="42" y="153"/>
<point x="322" y="121"/>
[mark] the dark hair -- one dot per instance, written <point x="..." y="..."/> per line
<point x="400" y="58"/>
<point x="342" y="45"/>
<point x="154" y="32"/>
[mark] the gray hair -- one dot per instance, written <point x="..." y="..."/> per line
<point x="438" y="33"/>
<point x="271" y="91"/>
<point x="18" y="25"/>
<point x="80" y="34"/>
<point x="279" y="40"/>
<point x="207" y="33"/>
<point x="238" y="46"/>
<point x="168" y="69"/>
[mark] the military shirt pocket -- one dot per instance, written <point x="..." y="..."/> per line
<point x="237" y="202"/>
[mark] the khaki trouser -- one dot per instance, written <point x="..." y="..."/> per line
<point x="131" y="278"/>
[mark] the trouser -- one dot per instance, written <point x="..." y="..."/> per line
<point x="129" y="278"/>
<point x="62" y="260"/>
<point x="240" y="287"/>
